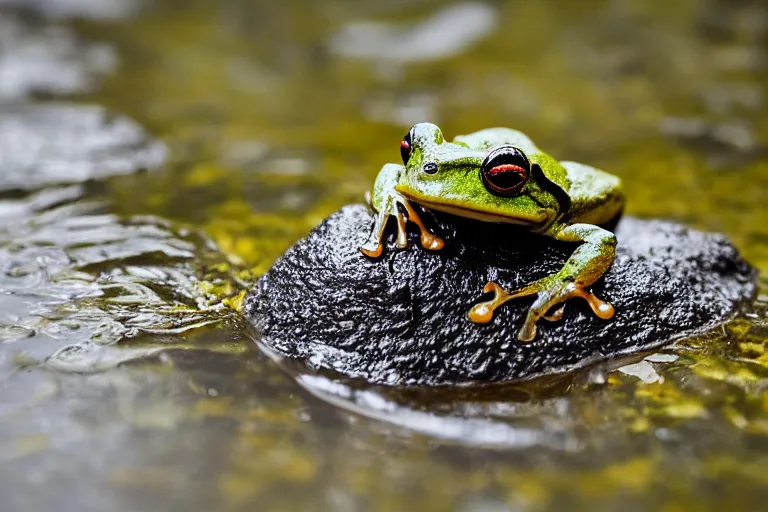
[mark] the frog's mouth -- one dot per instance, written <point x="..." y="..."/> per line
<point x="535" y="220"/>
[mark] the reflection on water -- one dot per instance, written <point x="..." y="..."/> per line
<point x="46" y="58"/>
<point x="72" y="274"/>
<point x="278" y="113"/>
<point x="510" y="416"/>
<point x="99" y="9"/>
<point x="485" y="425"/>
<point x="447" y="32"/>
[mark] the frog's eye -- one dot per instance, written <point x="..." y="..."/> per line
<point x="405" y="147"/>
<point x="505" y="170"/>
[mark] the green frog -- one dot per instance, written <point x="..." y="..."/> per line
<point x="499" y="175"/>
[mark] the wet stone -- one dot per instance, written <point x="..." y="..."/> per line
<point x="402" y="319"/>
<point x="49" y="59"/>
<point x="50" y="144"/>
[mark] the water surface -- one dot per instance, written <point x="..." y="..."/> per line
<point x="127" y="381"/>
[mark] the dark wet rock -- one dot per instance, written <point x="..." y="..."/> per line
<point x="48" y="144"/>
<point x="44" y="58"/>
<point x="403" y="319"/>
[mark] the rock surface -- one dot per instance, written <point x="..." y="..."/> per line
<point x="402" y="319"/>
<point x="52" y="144"/>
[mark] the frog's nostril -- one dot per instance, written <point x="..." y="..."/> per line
<point x="430" y="168"/>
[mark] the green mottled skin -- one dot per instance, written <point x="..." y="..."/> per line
<point x="563" y="200"/>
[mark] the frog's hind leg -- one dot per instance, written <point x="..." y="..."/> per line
<point x="556" y="315"/>
<point x="553" y="292"/>
<point x="585" y="266"/>
<point x="482" y="313"/>
<point x="548" y="297"/>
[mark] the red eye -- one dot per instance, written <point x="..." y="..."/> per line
<point x="505" y="171"/>
<point x="405" y="151"/>
<point x="405" y="147"/>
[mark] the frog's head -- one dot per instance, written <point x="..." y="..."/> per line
<point x="497" y="184"/>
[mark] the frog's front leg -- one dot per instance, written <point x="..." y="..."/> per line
<point x="386" y="202"/>
<point x="585" y="266"/>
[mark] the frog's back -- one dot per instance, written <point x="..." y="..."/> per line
<point x="596" y="196"/>
<point x="491" y="137"/>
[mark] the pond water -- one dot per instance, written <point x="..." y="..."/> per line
<point x="127" y="381"/>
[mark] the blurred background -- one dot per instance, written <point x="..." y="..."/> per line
<point x="234" y="127"/>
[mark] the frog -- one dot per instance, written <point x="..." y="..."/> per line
<point x="499" y="175"/>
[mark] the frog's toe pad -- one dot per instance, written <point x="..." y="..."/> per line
<point x="556" y="315"/>
<point x="601" y="308"/>
<point x="372" y="250"/>
<point x="481" y="313"/>
<point x="431" y="242"/>
<point x="527" y="332"/>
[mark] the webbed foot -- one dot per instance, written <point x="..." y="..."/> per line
<point x="551" y="291"/>
<point x="374" y="246"/>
